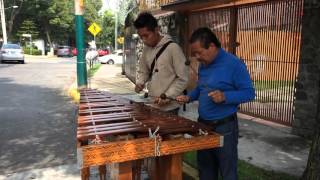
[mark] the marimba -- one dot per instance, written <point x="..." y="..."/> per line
<point x="113" y="130"/>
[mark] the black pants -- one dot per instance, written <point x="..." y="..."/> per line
<point x="221" y="160"/>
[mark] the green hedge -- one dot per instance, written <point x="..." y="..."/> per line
<point x="34" y="51"/>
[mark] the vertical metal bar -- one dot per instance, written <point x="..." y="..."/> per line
<point x="281" y="58"/>
<point x="262" y="53"/>
<point x="256" y="48"/>
<point x="278" y="50"/>
<point x="273" y="63"/>
<point x="233" y="29"/>
<point x="298" y="28"/>
<point x="288" y="71"/>
<point x="285" y="56"/>
<point x="244" y="44"/>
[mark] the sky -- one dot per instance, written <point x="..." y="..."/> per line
<point x="109" y="5"/>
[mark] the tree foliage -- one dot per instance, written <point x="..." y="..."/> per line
<point x="124" y="7"/>
<point x="54" y="18"/>
<point x="106" y="37"/>
<point x="28" y="27"/>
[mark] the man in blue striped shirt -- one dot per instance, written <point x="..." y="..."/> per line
<point x="223" y="83"/>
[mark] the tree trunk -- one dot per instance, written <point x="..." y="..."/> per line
<point x="13" y="15"/>
<point x="48" y="38"/>
<point x="312" y="171"/>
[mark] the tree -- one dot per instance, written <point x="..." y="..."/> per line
<point x="106" y="37"/>
<point x="12" y="13"/>
<point x="312" y="171"/>
<point x="126" y="6"/>
<point x="91" y="15"/>
<point x="28" y="27"/>
<point x="54" y="18"/>
<point x="108" y="21"/>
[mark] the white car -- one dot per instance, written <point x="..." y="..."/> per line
<point x="114" y="58"/>
<point x="12" y="52"/>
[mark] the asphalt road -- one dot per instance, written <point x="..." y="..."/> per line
<point x="37" y="118"/>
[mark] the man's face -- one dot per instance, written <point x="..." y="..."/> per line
<point x="149" y="38"/>
<point x="202" y="54"/>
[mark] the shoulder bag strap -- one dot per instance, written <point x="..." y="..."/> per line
<point x="157" y="56"/>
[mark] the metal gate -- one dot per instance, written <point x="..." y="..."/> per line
<point x="266" y="36"/>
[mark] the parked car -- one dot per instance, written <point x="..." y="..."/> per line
<point x="64" y="51"/>
<point x="12" y="52"/>
<point x="114" y="58"/>
<point x="103" y="52"/>
<point x="74" y="52"/>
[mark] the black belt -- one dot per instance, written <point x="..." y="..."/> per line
<point x="218" y="122"/>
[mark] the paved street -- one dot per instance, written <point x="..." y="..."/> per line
<point x="37" y="117"/>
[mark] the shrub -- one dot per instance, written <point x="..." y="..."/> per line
<point x="34" y="51"/>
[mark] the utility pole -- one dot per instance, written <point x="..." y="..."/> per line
<point x="116" y="31"/>
<point x="81" y="63"/>
<point x="116" y="25"/>
<point x="3" y="23"/>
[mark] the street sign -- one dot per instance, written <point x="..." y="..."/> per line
<point x="94" y="29"/>
<point x="120" y="40"/>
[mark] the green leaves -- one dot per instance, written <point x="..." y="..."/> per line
<point x="52" y="19"/>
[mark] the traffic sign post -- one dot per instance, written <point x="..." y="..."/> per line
<point x="94" y="29"/>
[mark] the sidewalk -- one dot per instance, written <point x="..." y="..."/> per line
<point x="261" y="143"/>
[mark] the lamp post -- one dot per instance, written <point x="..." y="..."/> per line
<point x="116" y="31"/>
<point x="116" y="11"/>
<point x="81" y="63"/>
<point x="3" y="20"/>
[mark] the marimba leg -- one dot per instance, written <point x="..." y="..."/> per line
<point x="102" y="172"/>
<point x="85" y="173"/>
<point x="168" y="167"/>
<point x="125" y="171"/>
<point x="137" y="169"/>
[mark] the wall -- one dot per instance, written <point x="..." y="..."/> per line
<point x="40" y="45"/>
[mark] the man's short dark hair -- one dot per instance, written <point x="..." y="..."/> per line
<point x="205" y="36"/>
<point x="146" y="19"/>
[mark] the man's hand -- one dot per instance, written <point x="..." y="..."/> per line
<point x="160" y="101"/>
<point x="217" y="96"/>
<point x="138" y="88"/>
<point x="182" y="99"/>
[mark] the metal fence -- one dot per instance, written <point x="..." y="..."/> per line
<point x="266" y="36"/>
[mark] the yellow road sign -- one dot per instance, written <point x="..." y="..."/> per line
<point x="94" y="29"/>
<point x="120" y="40"/>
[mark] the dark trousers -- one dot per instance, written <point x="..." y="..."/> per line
<point x="222" y="160"/>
